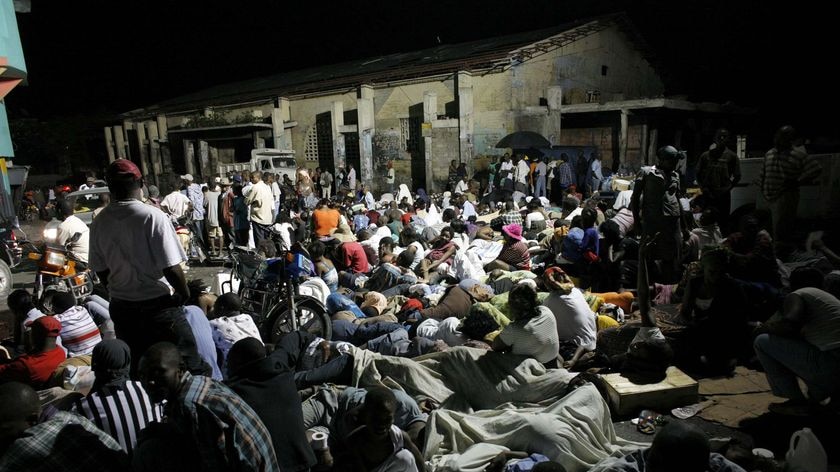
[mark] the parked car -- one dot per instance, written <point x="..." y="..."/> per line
<point x="84" y="203"/>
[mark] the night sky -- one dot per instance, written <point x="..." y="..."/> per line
<point x="101" y="57"/>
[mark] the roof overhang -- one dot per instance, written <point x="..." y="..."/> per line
<point x="655" y="103"/>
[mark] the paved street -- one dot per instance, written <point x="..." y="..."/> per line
<point x="24" y="275"/>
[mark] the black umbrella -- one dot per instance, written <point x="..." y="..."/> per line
<point x="523" y="140"/>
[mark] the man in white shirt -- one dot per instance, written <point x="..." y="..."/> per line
<point x="176" y="203"/>
<point x="461" y="186"/>
<point x="214" y="230"/>
<point x="68" y="228"/>
<point x="597" y="175"/>
<point x="390" y="177"/>
<point x="275" y="192"/>
<point x="521" y="172"/>
<point x="137" y="255"/>
<point x="261" y="202"/>
<point x="351" y="178"/>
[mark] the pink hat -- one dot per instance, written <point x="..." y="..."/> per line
<point x="513" y="230"/>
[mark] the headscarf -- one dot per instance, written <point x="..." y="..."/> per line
<point x="111" y="363"/>
<point x="557" y="280"/>
<point x="375" y="300"/>
<point x="423" y="197"/>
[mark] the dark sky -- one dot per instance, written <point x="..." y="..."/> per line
<point x="113" y="56"/>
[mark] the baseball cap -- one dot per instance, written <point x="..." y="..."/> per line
<point x="123" y="169"/>
<point x="48" y="325"/>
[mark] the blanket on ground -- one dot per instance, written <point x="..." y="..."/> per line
<point x="502" y="399"/>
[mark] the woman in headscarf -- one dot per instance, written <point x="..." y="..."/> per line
<point x="116" y="404"/>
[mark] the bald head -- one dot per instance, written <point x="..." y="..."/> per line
<point x="161" y="370"/>
<point x="679" y="446"/>
<point x="19" y="411"/>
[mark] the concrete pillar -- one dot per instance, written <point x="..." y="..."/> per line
<point x="337" y="121"/>
<point x="109" y="144"/>
<point x="552" y="129"/>
<point x="165" y="149"/>
<point x="643" y="147"/>
<point x="127" y="125"/>
<point x="364" y="111"/>
<point x="154" y="151"/>
<point x="203" y="160"/>
<point x="653" y="143"/>
<point x="429" y="115"/>
<point x="465" y="118"/>
<point x="189" y="156"/>
<point x="119" y="141"/>
<point x="144" y="152"/>
<point x="214" y="163"/>
<point x="622" y="137"/>
<point x="280" y="114"/>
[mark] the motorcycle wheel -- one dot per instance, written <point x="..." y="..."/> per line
<point x="6" y="282"/>
<point x="312" y="317"/>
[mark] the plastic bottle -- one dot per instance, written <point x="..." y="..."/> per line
<point x="806" y="454"/>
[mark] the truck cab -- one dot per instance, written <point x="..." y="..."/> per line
<point x="275" y="161"/>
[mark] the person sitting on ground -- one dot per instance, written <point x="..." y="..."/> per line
<point x="411" y="240"/>
<point x="269" y="388"/>
<point x="25" y="312"/>
<point x="752" y="256"/>
<point x="477" y="327"/>
<point x="116" y="404"/>
<point x="803" y="343"/>
<point x="64" y="442"/>
<point x="352" y="258"/>
<point x="207" y="423"/>
<point x="79" y="333"/>
<point x="576" y="324"/>
<point x="324" y="219"/>
<point x="706" y="236"/>
<point x="510" y="216"/>
<point x="324" y="267"/>
<point x="43" y="355"/>
<point x="387" y="447"/>
<point x="677" y="446"/>
<point x="533" y="331"/>
<point x="535" y="220"/>
<point x="441" y="252"/>
<point x="514" y="255"/>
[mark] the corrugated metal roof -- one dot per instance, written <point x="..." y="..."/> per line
<point x="445" y="59"/>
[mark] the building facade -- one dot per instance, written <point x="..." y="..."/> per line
<point x="586" y="83"/>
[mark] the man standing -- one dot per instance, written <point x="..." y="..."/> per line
<point x="541" y="171"/>
<point x="176" y="203"/>
<point x="196" y="197"/>
<point x="326" y="183"/>
<point x="597" y="174"/>
<point x="522" y="171"/>
<point x="137" y="255"/>
<point x="261" y="201"/>
<point x="786" y="168"/>
<point x="351" y="178"/>
<point x="390" y="177"/>
<point x="214" y="230"/>
<point x="226" y="211"/>
<point x="656" y="213"/>
<point x="214" y="425"/>
<point x="718" y="171"/>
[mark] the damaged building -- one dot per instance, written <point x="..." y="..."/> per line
<point x="589" y="83"/>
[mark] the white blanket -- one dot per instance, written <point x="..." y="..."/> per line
<point x="489" y="397"/>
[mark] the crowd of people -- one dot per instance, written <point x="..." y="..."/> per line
<point x="535" y="271"/>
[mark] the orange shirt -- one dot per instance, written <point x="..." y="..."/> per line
<point x="325" y="221"/>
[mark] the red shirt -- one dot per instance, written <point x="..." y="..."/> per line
<point x="33" y="369"/>
<point x="355" y="258"/>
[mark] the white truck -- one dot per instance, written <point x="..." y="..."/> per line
<point x="275" y="161"/>
<point x="819" y="200"/>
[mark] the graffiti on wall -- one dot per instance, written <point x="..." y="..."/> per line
<point x="386" y="146"/>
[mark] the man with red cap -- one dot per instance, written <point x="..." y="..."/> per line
<point x="37" y="366"/>
<point x="136" y="253"/>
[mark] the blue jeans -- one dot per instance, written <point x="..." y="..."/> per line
<point x="539" y="187"/>
<point x="786" y="359"/>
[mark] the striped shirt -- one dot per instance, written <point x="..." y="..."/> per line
<point x="228" y="433"/>
<point x="120" y="412"/>
<point x="79" y="333"/>
<point x="786" y="170"/>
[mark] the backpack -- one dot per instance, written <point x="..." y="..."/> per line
<point x="572" y="246"/>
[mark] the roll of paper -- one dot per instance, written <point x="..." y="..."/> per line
<point x="319" y="441"/>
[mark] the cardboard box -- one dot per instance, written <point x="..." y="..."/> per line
<point x="627" y="398"/>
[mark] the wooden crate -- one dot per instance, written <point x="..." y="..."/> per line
<point x="626" y="398"/>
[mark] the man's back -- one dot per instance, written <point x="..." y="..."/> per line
<point x="228" y="433"/>
<point x="67" y="229"/>
<point x="176" y="203"/>
<point x="134" y="242"/>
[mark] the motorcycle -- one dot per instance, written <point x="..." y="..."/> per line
<point x="269" y="288"/>
<point x="59" y="271"/>
<point x="29" y="209"/>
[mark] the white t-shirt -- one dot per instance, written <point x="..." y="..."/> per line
<point x="262" y="203"/>
<point x="134" y="242"/>
<point x="522" y="171"/>
<point x="575" y="321"/>
<point x="536" y="337"/>
<point x="419" y="254"/>
<point x="70" y="226"/>
<point x="176" y="202"/>
<point x="461" y="186"/>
